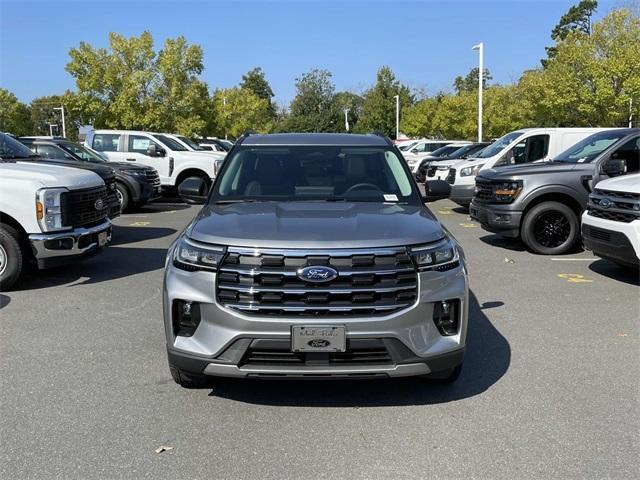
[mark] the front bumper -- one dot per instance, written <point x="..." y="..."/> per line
<point x="223" y="335"/>
<point x="57" y="248"/>
<point x="462" y="194"/>
<point x="611" y="240"/>
<point x="501" y="219"/>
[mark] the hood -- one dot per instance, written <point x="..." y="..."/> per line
<point x="104" y="171"/>
<point x="206" y="153"/>
<point x="49" y="175"/>
<point x="531" y="169"/>
<point x="129" y="166"/>
<point x="450" y="163"/>
<point x="625" y="183"/>
<point x="315" y="225"/>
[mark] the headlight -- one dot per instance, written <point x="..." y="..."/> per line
<point x="507" y="191"/>
<point x="191" y="255"/>
<point x="471" y="171"/>
<point x="217" y="166"/>
<point x="49" y="208"/>
<point x="441" y="256"/>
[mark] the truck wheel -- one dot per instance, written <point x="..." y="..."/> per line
<point x="124" y="197"/>
<point x="11" y="257"/>
<point x="444" y="377"/>
<point x="207" y="183"/>
<point x="190" y="380"/>
<point x="550" y="228"/>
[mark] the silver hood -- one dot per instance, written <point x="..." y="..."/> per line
<point x="315" y="225"/>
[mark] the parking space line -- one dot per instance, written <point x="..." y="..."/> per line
<point x="574" y="278"/>
<point x="139" y="224"/>
<point x="573" y="259"/>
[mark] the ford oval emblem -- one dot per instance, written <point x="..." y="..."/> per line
<point x="318" y="343"/>
<point x="317" y="274"/>
<point x="605" y="203"/>
<point x="99" y="205"/>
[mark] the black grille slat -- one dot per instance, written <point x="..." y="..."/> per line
<point x="451" y="177"/>
<point x="78" y="206"/>
<point x="613" y="215"/>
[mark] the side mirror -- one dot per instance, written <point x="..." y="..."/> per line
<point x="152" y="151"/>
<point x="436" y="190"/>
<point x="614" y="167"/>
<point x="193" y="190"/>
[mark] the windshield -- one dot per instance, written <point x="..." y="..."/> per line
<point x="81" y="152"/>
<point x="189" y="142"/>
<point x="171" y="143"/>
<point x="444" y="151"/>
<point x="499" y="145"/>
<point x="11" y="149"/>
<point x="315" y="173"/>
<point x="406" y="146"/>
<point x="588" y="149"/>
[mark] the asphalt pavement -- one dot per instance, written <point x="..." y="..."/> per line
<point x="550" y="386"/>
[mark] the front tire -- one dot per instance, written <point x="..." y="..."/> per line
<point x="11" y="257"/>
<point x="124" y="197"/>
<point x="550" y="228"/>
<point x="190" y="380"/>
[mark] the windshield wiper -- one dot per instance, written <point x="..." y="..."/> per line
<point x="237" y="200"/>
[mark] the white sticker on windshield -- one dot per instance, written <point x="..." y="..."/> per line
<point x="390" y="198"/>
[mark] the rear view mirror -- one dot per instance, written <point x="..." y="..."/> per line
<point x="193" y="190"/>
<point x="615" y="167"/>
<point x="436" y="190"/>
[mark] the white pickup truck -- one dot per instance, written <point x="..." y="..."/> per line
<point x="174" y="161"/>
<point x="49" y="214"/>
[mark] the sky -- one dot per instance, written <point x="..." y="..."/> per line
<point x="426" y="43"/>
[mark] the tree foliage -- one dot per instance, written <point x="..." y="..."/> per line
<point x="379" y="106"/>
<point x="470" y="82"/>
<point x="254" y="81"/>
<point x="577" y="19"/>
<point x="239" y="110"/>
<point x="15" y="116"/>
<point x="313" y="108"/>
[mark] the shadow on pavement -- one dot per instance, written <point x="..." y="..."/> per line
<point x="512" y="244"/>
<point x="462" y="210"/>
<point x="487" y="359"/>
<point x="4" y="301"/>
<point x="124" y="235"/>
<point x="616" y="272"/>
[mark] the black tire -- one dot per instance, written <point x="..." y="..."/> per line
<point x="204" y="178"/>
<point x="11" y="257"/>
<point x="444" y="377"/>
<point x="124" y="196"/>
<point x="550" y="228"/>
<point x="190" y="380"/>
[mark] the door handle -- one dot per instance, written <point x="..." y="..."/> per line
<point x="130" y="159"/>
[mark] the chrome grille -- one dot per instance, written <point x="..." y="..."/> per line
<point x="451" y="178"/>
<point x="369" y="282"/>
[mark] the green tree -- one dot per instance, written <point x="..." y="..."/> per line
<point x="577" y="19"/>
<point x="353" y="103"/>
<point x="15" y="116"/>
<point x="417" y="119"/>
<point x="313" y="108"/>
<point x="254" y="80"/>
<point x="239" y="110"/>
<point x="470" y="82"/>
<point x="379" y="106"/>
<point x="130" y="85"/>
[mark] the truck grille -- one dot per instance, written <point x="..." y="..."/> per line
<point x="483" y="191"/>
<point x="615" y="206"/>
<point x="451" y="178"/>
<point x="151" y="175"/>
<point x="112" y="198"/>
<point x="79" y="206"/>
<point x="431" y="171"/>
<point x="265" y="282"/>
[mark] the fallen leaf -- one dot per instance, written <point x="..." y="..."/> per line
<point x="163" y="448"/>
<point x="623" y="334"/>
<point x="509" y="260"/>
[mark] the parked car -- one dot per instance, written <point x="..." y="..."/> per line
<point x="414" y="160"/>
<point x="611" y="223"/>
<point x="522" y="146"/>
<point x="315" y="257"/>
<point x="429" y="166"/>
<point x="214" y="144"/>
<point x="49" y="214"/>
<point x="135" y="184"/>
<point x="541" y="203"/>
<point x="45" y="150"/>
<point x="174" y="162"/>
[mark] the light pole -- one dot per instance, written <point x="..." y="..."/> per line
<point x="224" y="105"/>
<point x="51" y="125"/>
<point x="480" y="48"/>
<point x="397" y="97"/>
<point x="64" y="130"/>
<point x="346" y="119"/>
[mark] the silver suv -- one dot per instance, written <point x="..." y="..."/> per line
<point x="315" y="257"/>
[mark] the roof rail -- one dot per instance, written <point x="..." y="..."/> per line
<point x="380" y="134"/>
<point x="246" y="134"/>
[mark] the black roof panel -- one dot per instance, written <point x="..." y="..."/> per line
<point x="333" y="139"/>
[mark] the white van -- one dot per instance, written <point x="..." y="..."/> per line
<point x="522" y="146"/>
<point x="174" y="161"/>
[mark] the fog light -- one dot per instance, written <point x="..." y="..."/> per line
<point x="186" y="317"/>
<point x="502" y="217"/>
<point x="446" y="317"/>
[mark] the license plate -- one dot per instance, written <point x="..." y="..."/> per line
<point x="318" y="338"/>
<point x="102" y="239"/>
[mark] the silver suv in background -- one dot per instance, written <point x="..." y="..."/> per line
<point x="315" y="257"/>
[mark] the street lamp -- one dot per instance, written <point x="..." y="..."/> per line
<point x="397" y="97"/>
<point x="64" y="130"/>
<point x="346" y="119"/>
<point x="480" y="48"/>
<point x="51" y="125"/>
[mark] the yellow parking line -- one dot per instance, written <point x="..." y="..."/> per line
<point x="469" y="225"/>
<point x="139" y="224"/>
<point x="574" y="278"/>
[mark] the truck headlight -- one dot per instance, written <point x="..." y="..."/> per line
<point x="507" y="192"/>
<point x="49" y="208"/>
<point x="471" y="171"/>
<point x="441" y="256"/>
<point x="191" y="255"/>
